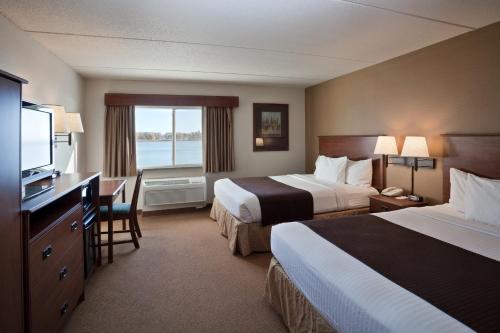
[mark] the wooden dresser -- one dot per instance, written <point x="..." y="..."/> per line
<point x="54" y="252"/>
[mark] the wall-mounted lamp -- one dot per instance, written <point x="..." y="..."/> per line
<point x="60" y="124"/>
<point x="386" y="145"/>
<point x="259" y="142"/>
<point x="75" y="122"/>
<point x="416" y="148"/>
<point x="65" y="123"/>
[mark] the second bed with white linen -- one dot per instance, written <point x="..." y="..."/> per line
<point x="327" y="196"/>
<point x="352" y="297"/>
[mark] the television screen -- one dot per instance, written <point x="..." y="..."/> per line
<point x="36" y="138"/>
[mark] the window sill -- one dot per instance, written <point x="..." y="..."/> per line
<point x="173" y="167"/>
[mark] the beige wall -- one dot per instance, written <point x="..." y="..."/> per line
<point x="248" y="163"/>
<point x="51" y="81"/>
<point x="449" y="87"/>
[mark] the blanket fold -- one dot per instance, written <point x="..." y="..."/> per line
<point x="278" y="202"/>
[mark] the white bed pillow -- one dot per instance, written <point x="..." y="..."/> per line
<point x="482" y="200"/>
<point x="458" y="183"/>
<point x="331" y="169"/>
<point x="359" y="173"/>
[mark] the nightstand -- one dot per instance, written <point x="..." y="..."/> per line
<point x="382" y="203"/>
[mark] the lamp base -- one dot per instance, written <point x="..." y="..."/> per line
<point x="416" y="198"/>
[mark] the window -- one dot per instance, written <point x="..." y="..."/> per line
<point x="168" y="136"/>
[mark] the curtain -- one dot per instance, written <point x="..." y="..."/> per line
<point x="119" y="141"/>
<point x="219" y="144"/>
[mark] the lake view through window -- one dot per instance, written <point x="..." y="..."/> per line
<point x="167" y="136"/>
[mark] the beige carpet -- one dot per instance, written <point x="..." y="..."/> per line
<point x="182" y="279"/>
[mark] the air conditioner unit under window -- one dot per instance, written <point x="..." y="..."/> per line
<point x="176" y="192"/>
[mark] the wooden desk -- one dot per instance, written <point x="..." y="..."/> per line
<point x="108" y="191"/>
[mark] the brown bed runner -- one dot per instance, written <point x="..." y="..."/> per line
<point x="278" y="202"/>
<point x="463" y="284"/>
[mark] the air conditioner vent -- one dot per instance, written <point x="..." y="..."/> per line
<point x="175" y="191"/>
<point x="174" y="181"/>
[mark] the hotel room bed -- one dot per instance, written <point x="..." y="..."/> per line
<point x="327" y="196"/>
<point x="427" y="269"/>
<point x="351" y="296"/>
<point x="238" y="214"/>
<point x="238" y="210"/>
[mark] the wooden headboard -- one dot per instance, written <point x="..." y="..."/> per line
<point x="474" y="153"/>
<point x="355" y="147"/>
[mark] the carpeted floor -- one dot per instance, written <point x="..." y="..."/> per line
<point x="182" y="279"/>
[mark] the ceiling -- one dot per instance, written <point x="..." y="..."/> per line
<point x="286" y="42"/>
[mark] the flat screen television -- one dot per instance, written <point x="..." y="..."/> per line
<point x="37" y="155"/>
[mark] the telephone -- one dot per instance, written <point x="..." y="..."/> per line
<point x="392" y="192"/>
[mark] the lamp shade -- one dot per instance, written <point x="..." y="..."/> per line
<point x="386" y="145"/>
<point x="74" y="121"/>
<point x="415" y="146"/>
<point x="60" y="122"/>
<point x="259" y="142"/>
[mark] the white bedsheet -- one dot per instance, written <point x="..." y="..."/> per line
<point x="354" y="298"/>
<point x="327" y="196"/>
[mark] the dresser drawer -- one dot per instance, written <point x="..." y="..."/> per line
<point x="57" y="292"/>
<point x="47" y="286"/>
<point x="46" y="251"/>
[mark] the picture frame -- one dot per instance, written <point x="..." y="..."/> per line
<point x="270" y="127"/>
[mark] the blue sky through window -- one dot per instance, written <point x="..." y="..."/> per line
<point x="159" y="119"/>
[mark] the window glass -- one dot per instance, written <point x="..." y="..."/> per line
<point x="155" y="132"/>
<point x="154" y="138"/>
<point x="188" y="143"/>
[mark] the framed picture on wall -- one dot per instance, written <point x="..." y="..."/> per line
<point x="270" y="127"/>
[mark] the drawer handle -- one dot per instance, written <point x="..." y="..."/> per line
<point x="74" y="226"/>
<point x="385" y="208"/>
<point x="47" y="252"/>
<point x="64" y="309"/>
<point x="63" y="273"/>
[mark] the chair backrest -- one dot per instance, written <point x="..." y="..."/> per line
<point x="137" y="188"/>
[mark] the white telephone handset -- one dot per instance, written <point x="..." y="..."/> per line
<point x="392" y="192"/>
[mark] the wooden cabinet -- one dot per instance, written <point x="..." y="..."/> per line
<point x="382" y="203"/>
<point x="41" y="239"/>
<point x="11" y="286"/>
<point x="54" y="252"/>
<point x="56" y="264"/>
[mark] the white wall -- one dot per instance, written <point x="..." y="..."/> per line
<point x="51" y="81"/>
<point x="248" y="163"/>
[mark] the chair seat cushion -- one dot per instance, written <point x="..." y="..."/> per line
<point x="121" y="210"/>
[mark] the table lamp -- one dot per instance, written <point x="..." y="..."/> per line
<point x="414" y="147"/>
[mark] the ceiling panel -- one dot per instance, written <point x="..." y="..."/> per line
<point x="144" y="74"/>
<point x="472" y="13"/>
<point x="290" y="39"/>
<point x="320" y="27"/>
<point x="80" y="52"/>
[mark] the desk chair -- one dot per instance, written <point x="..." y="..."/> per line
<point x="126" y="211"/>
